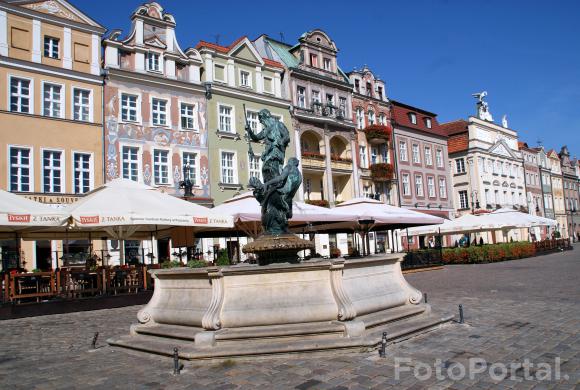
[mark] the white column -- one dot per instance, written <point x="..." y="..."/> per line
<point x="36" y="38"/>
<point x="329" y="183"/>
<point x="170" y="68"/>
<point x="67" y="49"/>
<point x="139" y="32"/>
<point x="3" y="34"/>
<point x="277" y="85"/>
<point x="231" y="73"/>
<point x="208" y="61"/>
<point x="259" y="80"/>
<point x="95" y="54"/>
<point x="298" y="149"/>
<point x="194" y="74"/>
<point x="355" y="175"/>
<point x="111" y="57"/>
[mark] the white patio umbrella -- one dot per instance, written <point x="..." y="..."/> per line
<point x="247" y="213"/>
<point x="18" y="214"/>
<point x="123" y="208"/>
<point x="518" y="219"/>
<point x="467" y="223"/>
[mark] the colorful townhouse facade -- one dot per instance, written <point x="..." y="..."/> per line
<point x="240" y="83"/>
<point x="558" y="193"/>
<point x="155" y="123"/>
<point x="546" y="182"/>
<point x="321" y="97"/>
<point x="371" y="113"/>
<point x="50" y="112"/>
<point x="570" y="183"/>
<point x="534" y="193"/>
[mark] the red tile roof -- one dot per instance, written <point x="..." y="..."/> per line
<point x="400" y="112"/>
<point x="457" y="142"/>
<point x="455" y="127"/>
<point x="226" y="49"/>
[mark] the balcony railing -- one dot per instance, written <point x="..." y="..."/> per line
<point x="325" y="110"/>
<point x="338" y="162"/>
<point x="313" y="159"/>
<point x="382" y="172"/>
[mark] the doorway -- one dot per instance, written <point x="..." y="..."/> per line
<point x="43" y="255"/>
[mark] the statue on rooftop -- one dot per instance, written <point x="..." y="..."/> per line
<point x="483" y="112"/>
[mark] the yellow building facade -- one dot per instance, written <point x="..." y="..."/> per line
<point x="51" y="137"/>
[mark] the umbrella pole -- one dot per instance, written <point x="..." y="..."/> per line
<point x="408" y="247"/>
<point x="239" y="246"/>
<point x="151" y="257"/>
<point x="17" y="242"/>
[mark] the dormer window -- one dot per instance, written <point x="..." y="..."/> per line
<point x="357" y="85"/>
<point x="413" y="118"/>
<point x="153" y="62"/>
<point x="314" y="60"/>
<point x="245" y="79"/>
<point x="326" y="64"/>
<point x="428" y="122"/>
<point x="380" y="92"/>
<point x="369" y="89"/>
<point x="51" y="47"/>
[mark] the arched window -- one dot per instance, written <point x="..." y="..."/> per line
<point x="382" y="119"/>
<point x="360" y="118"/>
<point x="372" y="117"/>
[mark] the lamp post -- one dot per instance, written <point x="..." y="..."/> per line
<point x="474" y="201"/>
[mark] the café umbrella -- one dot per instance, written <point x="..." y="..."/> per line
<point x="18" y="214"/>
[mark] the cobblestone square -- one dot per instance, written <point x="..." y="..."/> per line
<point x="516" y="310"/>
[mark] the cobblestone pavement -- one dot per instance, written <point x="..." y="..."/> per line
<point x="517" y="310"/>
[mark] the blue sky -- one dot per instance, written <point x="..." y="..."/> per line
<point x="431" y="54"/>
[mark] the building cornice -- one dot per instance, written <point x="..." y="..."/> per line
<point x="153" y="80"/>
<point x="252" y="96"/>
<point x="300" y="73"/>
<point x="50" y="70"/>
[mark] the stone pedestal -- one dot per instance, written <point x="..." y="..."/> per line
<point x="283" y="248"/>
<point x="253" y="310"/>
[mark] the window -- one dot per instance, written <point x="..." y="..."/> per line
<point x="52" y="100"/>
<point x="330" y="103"/>
<point x="463" y="202"/>
<point x="161" y="167"/>
<point x="439" y="158"/>
<point x="153" y="62"/>
<point x="413" y="118"/>
<point x="129" y="107"/>
<point x="219" y="72"/>
<point x="268" y="85"/>
<point x="82" y="172"/>
<point x="52" y="170"/>
<point x="50" y="47"/>
<point x="301" y="92"/>
<point x="159" y="112"/>
<point x="428" y="122"/>
<point x="442" y="188"/>
<point x="418" y="185"/>
<point x="357" y="85"/>
<point x="130" y="163"/>
<point x="406" y="185"/>
<point x="190" y="164"/>
<point x="431" y="186"/>
<point x="253" y="121"/>
<point x="371" y="117"/>
<point x="227" y="168"/>
<point x="487" y="196"/>
<point x="374" y="155"/>
<point x="20" y="169"/>
<point x="380" y="92"/>
<point x="225" y="119"/>
<point x="314" y="60"/>
<point x="416" y="157"/>
<point x="496" y="197"/>
<point x="342" y="106"/>
<point x="367" y="193"/>
<point x="254" y="163"/>
<point x="245" y="79"/>
<point x="360" y="118"/>
<point x="326" y="64"/>
<point x="315" y="96"/>
<point x="382" y="119"/>
<point x="428" y="156"/>
<point x="369" y="89"/>
<point x="459" y="165"/>
<point x="403" y="150"/>
<point x="20" y="95"/>
<point x="363" y="156"/>
<point x="81" y="105"/>
<point x="188" y="120"/>
<point x="482" y="164"/>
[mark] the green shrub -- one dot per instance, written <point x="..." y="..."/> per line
<point x="196" y="264"/>
<point x="489" y="253"/>
<point x="171" y="264"/>
<point x="223" y="258"/>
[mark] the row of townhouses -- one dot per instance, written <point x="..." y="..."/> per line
<point x="81" y="108"/>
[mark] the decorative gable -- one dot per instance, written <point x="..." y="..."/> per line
<point x="61" y="9"/>
<point x="155" y="41"/>
<point x="500" y="148"/>
<point x="245" y="50"/>
<point x="246" y="54"/>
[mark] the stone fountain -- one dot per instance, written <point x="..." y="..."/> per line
<point x="280" y="306"/>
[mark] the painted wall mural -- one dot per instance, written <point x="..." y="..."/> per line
<point x="147" y="138"/>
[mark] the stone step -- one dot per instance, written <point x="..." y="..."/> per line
<point x="396" y="331"/>
<point x="393" y="314"/>
<point x="169" y="331"/>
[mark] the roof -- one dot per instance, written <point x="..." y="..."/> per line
<point x="454" y="127"/>
<point x="401" y="117"/>
<point x="458" y="142"/>
<point x="227" y="49"/>
<point x="283" y="52"/>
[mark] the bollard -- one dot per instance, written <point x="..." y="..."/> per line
<point x="461" y="319"/>
<point x="175" y="361"/>
<point x="383" y="348"/>
<point x="95" y="337"/>
<point x="425" y="297"/>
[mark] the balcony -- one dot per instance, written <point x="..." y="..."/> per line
<point x="313" y="160"/>
<point x="340" y="163"/>
<point x="382" y="172"/>
<point x="317" y="202"/>
<point x="377" y="134"/>
<point x="325" y="112"/>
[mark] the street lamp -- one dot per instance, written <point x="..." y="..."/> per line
<point x="474" y="201"/>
